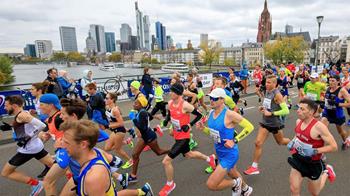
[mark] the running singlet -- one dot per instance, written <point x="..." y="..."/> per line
<point x="219" y="133"/>
<point x="51" y="123"/>
<point x="331" y="110"/>
<point x="314" y="90"/>
<point x="111" y="118"/>
<point x="304" y="140"/>
<point x="257" y="76"/>
<point x="98" y="160"/>
<point x="270" y="105"/>
<point x="178" y="119"/>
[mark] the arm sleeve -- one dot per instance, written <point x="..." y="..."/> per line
<point x="284" y="110"/>
<point x="198" y="117"/>
<point x="230" y="103"/>
<point x="247" y="129"/>
<point x="38" y="125"/>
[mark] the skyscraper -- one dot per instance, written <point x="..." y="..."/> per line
<point x="139" y="26"/>
<point x="147" y="32"/>
<point x="125" y="33"/>
<point x="170" y="42"/>
<point x="203" y="40"/>
<point x="68" y="39"/>
<point x="98" y="34"/>
<point x="43" y="48"/>
<point x="289" y="29"/>
<point x="91" y="46"/>
<point x="110" y="42"/>
<point x="161" y="36"/>
<point x="265" y="25"/>
<point x="164" y="43"/>
<point x="29" y="50"/>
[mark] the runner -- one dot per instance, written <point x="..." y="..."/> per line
<point x="221" y="128"/>
<point x="179" y="115"/>
<point x="116" y="125"/>
<point x="221" y="82"/>
<point x="302" y="76"/>
<point x="324" y="76"/>
<point x="96" y="107"/>
<point x="333" y="112"/>
<point x="283" y="83"/>
<point x="37" y="90"/>
<point x="312" y="139"/>
<point x="26" y="129"/>
<point x="257" y="77"/>
<point x="159" y="99"/>
<point x="315" y="90"/>
<point x="236" y="87"/>
<point x="80" y="138"/>
<point x="148" y="136"/>
<point x="273" y="107"/>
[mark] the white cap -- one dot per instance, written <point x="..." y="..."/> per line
<point x="217" y="93"/>
<point x="314" y="75"/>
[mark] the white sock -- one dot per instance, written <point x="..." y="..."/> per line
<point x="234" y="182"/>
<point x="169" y="183"/>
<point x="120" y="177"/>
<point x="208" y="159"/>
<point x="245" y="187"/>
<point x="255" y="164"/>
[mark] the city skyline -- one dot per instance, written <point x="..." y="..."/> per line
<point x="231" y="22"/>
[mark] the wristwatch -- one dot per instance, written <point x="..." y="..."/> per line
<point x="235" y="140"/>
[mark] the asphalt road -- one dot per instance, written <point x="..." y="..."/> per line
<point x="189" y="174"/>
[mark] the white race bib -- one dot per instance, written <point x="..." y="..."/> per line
<point x="267" y="103"/>
<point x="300" y="80"/>
<point x="300" y="146"/>
<point x="311" y="96"/>
<point x="215" y="135"/>
<point x="176" y="124"/>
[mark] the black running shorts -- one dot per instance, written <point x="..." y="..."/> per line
<point x="180" y="146"/>
<point x="307" y="167"/>
<point x="273" y="130"/>
<point x="21" y="158"/>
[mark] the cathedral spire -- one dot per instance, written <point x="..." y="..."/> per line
<point x="265" y="5"/>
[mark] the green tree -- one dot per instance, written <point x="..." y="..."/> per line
<point x="75" y="57"/>
<point x="6" y="70"/>
<point x="59" y="57"/>
<point x="154" y="61"/>
<point x="210" y="53"/>
<point x="229" y="62"/>
<point x="146" y="60"/>
<point x="287" y="49"/>
<point x="115" y="57"/>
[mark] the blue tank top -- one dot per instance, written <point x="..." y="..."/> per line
<point x="219" y="133"/>
<point x="332" y="110"/>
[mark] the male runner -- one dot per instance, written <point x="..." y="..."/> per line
<point x="179" y="115"/>
<point x="80" y="138"/>
<point x="273" y="107"/>
<point x="26" y="129"/>
<point x="314" y="90"/>
<point x="312" y="139"/>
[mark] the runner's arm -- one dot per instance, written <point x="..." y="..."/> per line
<point x="346" y="96"/>
<point x="188" y="108"/>
<point x="98" y="173"/>
<point x="242" y="122"/>
<point x="284" y="108"/>
<point x="327" y="137"/>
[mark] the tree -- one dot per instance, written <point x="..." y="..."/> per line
<point x="75" y="57"/>
<point x="287" y="49"/>
<point x="6" y="70"/>
<point x="210" y="53"/>
<point x="115" y="57"/>
<point x="59" y="57"/>
<point x="146" y="60"/>
<point x="229" y="62"/>
<point x="154" y="61"/>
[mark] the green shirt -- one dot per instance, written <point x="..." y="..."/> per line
<point x="158" y="94"/>
<point x="313" y="91"/>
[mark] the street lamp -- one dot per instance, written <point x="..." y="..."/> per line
<point x="319" y="21"/>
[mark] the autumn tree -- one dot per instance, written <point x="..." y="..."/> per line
<point x="210" y="53"/>
<point x="75" y="57"/>
<point x="6" y="70"/>
<point x="115" y="57"/>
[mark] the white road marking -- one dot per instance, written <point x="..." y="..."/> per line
<point x="248" y="108"/>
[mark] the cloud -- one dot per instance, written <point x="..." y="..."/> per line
<point x="231" y="22"/>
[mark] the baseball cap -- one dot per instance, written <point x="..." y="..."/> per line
<point x="50" y="98"/>
<point x="177" y="88"/>
<point x="143" y="101"/>
<point x="314" y="75"/>
<point x="135" y="84"/>
<point x="217" y="93"/>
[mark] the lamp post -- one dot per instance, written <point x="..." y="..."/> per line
<point x="319" y="21"/>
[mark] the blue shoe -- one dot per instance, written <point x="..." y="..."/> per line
<point x="37" y="189"/>
<point x="125" y="180"/>
<point x="132" y="179"/>
<point x="147" y="189"/>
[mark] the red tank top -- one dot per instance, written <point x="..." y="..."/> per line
<point x="57" y="134"/>
<point x="178" y="119"/>
<point x="305" y="137"/>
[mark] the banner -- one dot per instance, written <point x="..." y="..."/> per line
<point x="207" y="80"/>
<point x="28" y="99"/>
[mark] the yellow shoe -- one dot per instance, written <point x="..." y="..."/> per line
<point x="127" y="165"/>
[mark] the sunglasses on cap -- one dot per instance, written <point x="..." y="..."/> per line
<point x="214" y="98"/>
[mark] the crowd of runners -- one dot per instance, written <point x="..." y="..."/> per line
<point x="322" y="100"/>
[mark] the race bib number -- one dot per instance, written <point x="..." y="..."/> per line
<point x="300" y="80"/>
<point x="301" y="146"/>
<point x="311" y="96"/>
<point x="176" y="124"/>
<point x="267" y="103"/>
<point x="236" y="90"/>
<point x="329" y="106"/>
<point x="215" y="135"/>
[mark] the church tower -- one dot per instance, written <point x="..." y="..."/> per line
<point x="265" y="25"/>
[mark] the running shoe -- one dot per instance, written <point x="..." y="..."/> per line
<point x="147" y="189"/>
<point x="236" y="190"/>
<point x="146" y="148"/>
<point x="241" y="111"/>
<point x="166" y="190"/>
<point x="252" y="171"/>
<point x="204" y="119"/>
<point x="209" y="170"/>
<point x="128" y="164"/>
<point x="331" y="173"/>
<point x="37" y="189"/>
<point x="116" y="164"/>
<point x="247" y="192"/>
<point x="132" y="132"/>
<point x="132" y="179"/>
<point x="259" y="100"/>
<point x="44" y="172"/>
<point x="161" y="123"/>
<point x="159" y="130"/>
<point x="125" y="180"/>
<point x="212" y="161"/>
<point x="245" y="103"/>
<point x="129" y="142"/>
<point x="193" y="144"/>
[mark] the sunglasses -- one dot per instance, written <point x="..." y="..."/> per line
<point x="214" y="99"/>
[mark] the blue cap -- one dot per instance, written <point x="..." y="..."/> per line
<point x="50" y="98"/>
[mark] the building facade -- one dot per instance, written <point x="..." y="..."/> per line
<point x="125" y="33"/>
<point x="203" y="40"/>
<point x="253" y="53"/>
<point x="265" y="25"/>
<point x="98" y="34"/>
<point x="139" y="26"/>
<point x="91" y="47"/>
<point x="178" y="56"/>
<point x="110" y="42"/>
<point x="43" y="48"/>
<point x="232" y="53"/>
<point x="329" y="49"/>
<point x="161" y="36"/>
<point x="147" y="33"/>
<point x="68" y="39"/>
<point x="29" y="50"/>
<point x="288" y="29"/>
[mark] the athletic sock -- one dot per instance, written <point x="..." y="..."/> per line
<point x="234" y="182"/>
<point x="255" y="165"/>
<point x="245" y="187"/>
<point x="169" y="183"/>
<point x="33" y="182"/>
<point x="140" y="192"/>
<point x="120" y="177"/>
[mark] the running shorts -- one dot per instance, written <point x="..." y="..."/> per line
<point x="149" y="137"/>
<point x="228" y="160"/>
<point x="21" y="158"/>
<point x="181" y="146"/>
<point x="273" y="130"/>
<point x="200" y="94"/>
<point x="307" y="167"/>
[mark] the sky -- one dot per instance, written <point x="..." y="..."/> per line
<point x="230" y="21"/>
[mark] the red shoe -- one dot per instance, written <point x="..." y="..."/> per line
<point x="166" y="190"/>
<point x="212" y="161"/>
<point x="331" y="173"/>
<point x="252" y="171"/>
<point x="204" y="119"/>
<point x="159" y="130"/>
<point x="147" y="148"/>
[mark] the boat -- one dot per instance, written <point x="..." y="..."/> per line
<point x="107" y="67"/>
<point x="119" y="65"/>
<point x="175" y="67"/>
<point x="132" y="65"/>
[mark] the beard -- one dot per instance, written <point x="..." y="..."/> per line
<point x="10" y="111"/>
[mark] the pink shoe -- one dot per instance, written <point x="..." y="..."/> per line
<point x="252" y="171"/>
<point x="159" y="130"/>
<point x="331" y="173"/>
<point x="147" y="148"/>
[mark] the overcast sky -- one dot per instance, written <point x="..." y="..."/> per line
<point x="229" y="21"/>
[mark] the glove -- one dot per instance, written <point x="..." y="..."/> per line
<point x="185" y="128"/>
<point x="5" y="127"/>
<point x="309" y="152"/>
<point x="290" y="145"/>
<point x="103" y="136"/>
<point x="62" y="158"/>
<point x="132" y="114"/>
